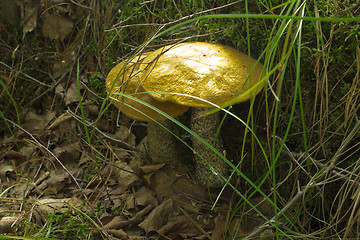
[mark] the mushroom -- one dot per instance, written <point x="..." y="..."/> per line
<point x="176" y="77"/>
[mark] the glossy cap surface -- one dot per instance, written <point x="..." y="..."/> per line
<point x="208" y="71"/>
<point x="128" y="82"/>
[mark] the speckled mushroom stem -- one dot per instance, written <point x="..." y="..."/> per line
<point x="163" y="146"/>
<point x="206" y="127"/>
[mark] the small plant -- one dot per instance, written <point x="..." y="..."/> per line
<point x="71" y="223"/>
<point x="97" y="85"/>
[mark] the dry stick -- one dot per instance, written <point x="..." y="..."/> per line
<point x="52" y="87"/>
<point x="313" y="182"/>
<point x="62" y="165"/>
<point x="335" y="171"/>
<point x="28" y="76"/>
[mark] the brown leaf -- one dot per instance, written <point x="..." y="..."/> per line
<point x="151" y="168"/>
<point x="53" y="185"/>
<point x="50" y="205"/>
<point x="125" y="175"/>
<point x="29" y="15"/>
<point x="119" y="233"/>
<point x="10" y="12"/>
<point x="118" y="221"/>
<point x="180" y="226"/>
<point x="184" y="186"/>
<point x="124" y="134"/>
<point x="144" y="144"/>
<point x="158" y="217"/>
<point x="34" y="121"/>
<point x="63" y="124"/>
<point x="6" y="224"/>
<point x="93" y="110"/>
<point x="162" y="180"/>
<point x="5" y="170"/>
<point x="60" y="91"/>
<point x="60" y="67"/>
<point x="11" y="154"/>
<point x="145" y="197"/>
<point x="57" y="27"/>
<point x="68" y="154"/>
<point x="72" y="94"/>
<point x="220" y="229"/>
<point x="59" y="120"/>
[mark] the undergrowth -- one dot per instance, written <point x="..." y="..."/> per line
<point x="296" y="152"/>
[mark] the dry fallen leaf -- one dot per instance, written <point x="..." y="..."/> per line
<point x="145" y="197"/>
<point x="9" y="11"/>
<point x="53" y="185"/>
<point x="29" y="14"/>
<point x="185" y="186"/>
<point x="142" y="198"/>
<point x="12" y="154"/>
<point x="124" y="174"/>
<point x="7" y="224"/>
<point x="124" y="134"/>
<point x="119" y="233"/>
<point x="219" y="231"/>
<point x="34" y="121"/>
<point x="59" y="120"/>
<point x="119" y="222"/>
<point x="57" y="27"/>
<point x="68" y="154"/>
<point x="60" y="67"/>
<point x="158" y="217"/>
<point x="162" y="181"/>
<point x="92" y="110"/>
<point x="151" y="168"/>
<point x="5" y="170"/>
<point x="179" y="228"/>
<point x="72" y="94"/>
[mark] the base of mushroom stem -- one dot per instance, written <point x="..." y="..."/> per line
<point x="164" y="147"/>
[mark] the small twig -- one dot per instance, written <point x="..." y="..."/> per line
<point x="299" y="195"/>
<point x="195" y="223"/>
<point x="343" y="146"/>
<point x="50" y="88"/>
<point x="335" y="171"/>
<point x="28" y="76"/>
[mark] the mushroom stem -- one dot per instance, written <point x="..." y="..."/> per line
<point x="163" y="146"/>
<point x="206" y="127"/>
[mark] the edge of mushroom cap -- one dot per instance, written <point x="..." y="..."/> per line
<point x="170" y="68"/>
<point x="132" y="85"/>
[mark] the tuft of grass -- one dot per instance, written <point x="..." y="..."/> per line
<point x="66" y="224"/>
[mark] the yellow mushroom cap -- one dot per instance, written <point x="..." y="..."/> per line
<point x="129" y="82"/>
<point x="209" y="71"/>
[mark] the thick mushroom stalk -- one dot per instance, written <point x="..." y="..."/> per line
<point x="206" y="127"/>
<point x="163" y="146"/>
